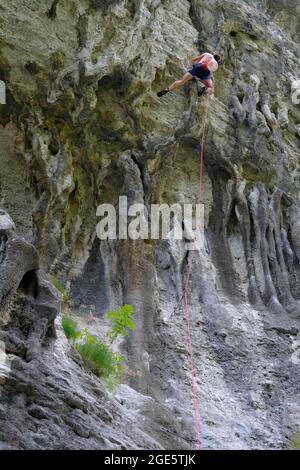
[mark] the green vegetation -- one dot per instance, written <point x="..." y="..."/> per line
<point x="60" y="288"/>
<point x="70" y="328"/>
<point x="96" y="354"/>
<point x="122" y="320"/>
<point x="101" y="359"/>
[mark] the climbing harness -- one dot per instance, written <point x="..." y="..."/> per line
<point x="190" y="266"/>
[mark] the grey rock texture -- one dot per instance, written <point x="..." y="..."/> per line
<point x="48" y="400"/>
<point x="82" y="125"/>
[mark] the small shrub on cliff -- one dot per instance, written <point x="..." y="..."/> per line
<point x="70" y="328"/>
<point x="122" y="320"/>
<point x="100" y="359"/>
<point x="58" y="285"/>
<point x="96" y="355"/>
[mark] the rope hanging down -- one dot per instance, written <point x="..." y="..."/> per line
<point x="190" y="266"/>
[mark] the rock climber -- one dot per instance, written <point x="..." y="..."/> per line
<point x="202" y="67"/>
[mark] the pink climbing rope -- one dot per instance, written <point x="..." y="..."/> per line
<point x="189" y="337"/>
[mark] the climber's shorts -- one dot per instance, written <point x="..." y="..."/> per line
<point x="199" y="71"/>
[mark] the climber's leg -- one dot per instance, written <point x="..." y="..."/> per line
<point x="177" y="84"/>
<point x="209" y="86"/>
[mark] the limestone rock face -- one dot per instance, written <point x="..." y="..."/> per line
<point x="81" y="126"/>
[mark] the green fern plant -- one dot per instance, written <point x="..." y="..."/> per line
<point x="70" y="328"/>
<point x="98" y="356"/>
<point x="58" y="285"/>
<point x="122" y="320"/>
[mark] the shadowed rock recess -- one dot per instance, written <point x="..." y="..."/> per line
<point x="81" y="126"/>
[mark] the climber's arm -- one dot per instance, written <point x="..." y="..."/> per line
<point x="197" y="58"/>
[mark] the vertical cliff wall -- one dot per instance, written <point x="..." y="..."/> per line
<point x="81" y="126"/>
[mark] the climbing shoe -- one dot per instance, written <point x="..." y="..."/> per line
<point x="163" y="92"/>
